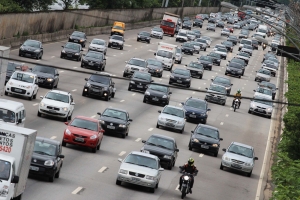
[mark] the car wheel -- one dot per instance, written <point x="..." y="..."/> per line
<point x="249" y="174"/>
<point x="129" y="89"/>
<point x="121" y="48"/>
<point x="200" y="77"/>
<point x="30" y="98"/>
<point x="57" y="174"/>
<point x="152" y="190"/>
<point x="224" y="104"/>
<point x="118" y="182"/>
<point x="37" y="56"/>
<point x="255" y="79"/>
<point x="106" y="98"/>
<point x="51" y="178"/>
<point x="216" y="154"/>
<point x="210" y="68"/>
<point x="79" y="59"/>
<point x="205" y="49"/>
<point x="94" y="150"/>
<point x="144" y="100"/>
<point x="109" y="46"/>
<point x="70" y="117"/>
<point x="225" y="73"/>
<point x="221" y="166"/>
<point x="98" y="146"/>
<point x="34" y="96"/>
<point x="39" y="114"/>
<point x="170" y="166"/>
<point x="182" y="130"/>
<point x="157" y="126"/>
<point x="179" y="62"/>
<point x="113" y="95"/>
<point x="56" y="85"/>
<point x="137" y="39"/>
<point x="204" y="122"/>
<point x="190" y="146"/>
<point x="239" y="76"/>
<point x="123" y="135"/>
<point x="41" y="56"/>
<point x="249" y="111"/>
<point x="66" y="119"/>
<point x="6" y="93"/>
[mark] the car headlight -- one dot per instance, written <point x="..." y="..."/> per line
<point x="81" y="40"/>
<point x="150" y="177"/>
<point x="171" y="76"/>
<point x="76" y="54"/>
<point x="122" y="125"/>
<point x="49" y="163"/>
<point x="91" y="47"/>
<point x="63" y="51"/>
<point x="227" y="68"/>
<point x="248" y="164"/>
<point x="65" y="109"/>
<point x="132" y="82"/>
<point x="93" y="137"/>
<point x="203" y="114"/>
<point x="195" y="140"/>
<point x="37" y="50"/>
<point x="162" y="118"/>
<point x="102" y="122"/>
<point x="188" y="79"/>
<point x="215" y="145"/>
<point x="148" y="38"/>
<point x="269" y="109"/>
<point x="42" y="104"/>
<point x="49" y="79"/>
<point x="88" y="84"/>
<point x="168" y="157"/>
<point x="218" y="60"/>
<point x="165" y="96"/>
<point x="4" y="191"/>
<point x="227" y="158"/>
<point x="180" y="122"/>
<point x="147" y="93"/>
<point x="122" y="171"/>
<point x="68" y="132"/>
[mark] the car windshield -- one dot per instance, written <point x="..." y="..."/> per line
<point x="45" y="148"/>
<point x="222" y="80"/>
<point x="182" y="72"/>
<point x="154" y="62"/>
<point x="191" y="33"/>
<point x="205" y="58"/>
<point x="145" y="33"/>
<point x="254" y="42"/>
<point x="212" y="54"/>
<point x="182" y="34"/>
<point x="57" y="97"/>
<point x="157" y="29"/>
<point x="95" y="55"/>
<point x="206" y="38"/>
<point x="100" y="79"/>
<point x="161" y="142"/>
<point x="44" y="69"/>
<point x="7" y="115"/>
<point x="165" y="54"/>
<point x="196" y="104"/>
<point x="167" y="23"/>
<point x="178" y="50"/>
<point x="266" y="102"/>
<point x="246" y="42"/>
<point x="158" y="88"/>
<point x="23" y="77"/>
<point x="238" y="61"/>
<point x="78" y="34"/>
<point x="84" y="124"/>
<point x="221" y="49"/>
<point x="173" y="111"/>
<point x="235" y="65"/>
<point x="141" y="161"/>
<point x="196" y="65"/>
<point x="264" y="91"/>
<point x="115" y="114"/>
<point x="98" y="42"/>
<point x="118" y="27"/>
<point x="196" y="32"/>
<point x="189" y="45"/>
<point x="269" y="62"/>
<point x="217" y="88"/>
<point x="244" y="54"/>
<point x="73" y="46"/>
<point x="136" y="62"/>
<point x="143" y="76"/>
<point x="240" y="150"/>
<point x="5" y="170"/>
<point x="248" y="47"/>
<point x="12" y="66"/>
<point x="32" y="43"/>
<point x="262" y="71"/>
<point x="208" y="132"/>
<point x="116" y="37"/>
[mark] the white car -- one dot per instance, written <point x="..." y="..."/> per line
<point x="263" y="75"/>
<point x="58" y="104"/>
<point x="218" y="46"/>
<point x="222" y="52"/>
<point x="225" y="31"/>
<point x="182" y="37"/>
<point x="23" y="84"/>
<point x="98" y="45"/>
<point x="172" y="117"/>
<point x="208" y="40"/>
<point x="263" y="93"/>
<point x="157" y="32"/>
<point x="135" y="64"/>
<point x="178" y="55"/>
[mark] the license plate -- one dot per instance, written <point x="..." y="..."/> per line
<point x="233" y="72"/>
<point x="91" y="64"/>
<point x="169" y="124"/>
<point x="260" y="110"/>
<point x="34" y="168"/>
<point x="193" y="116"/>
<point x="204" y="146"/>
<point x="18" y="90"/>
<point x="178" y="81"/>
<point x="115" y="44"/>
<point x="184" y="185"/>
<point x="96" y="90"/>
<point x="236" y="166"/>
<point x="53" y="111"/>
<point x="135" y="179"/>
<point x="79" y="139"/>
<point x="154" y="99"/>
<point x="27" y="54"/>
<point x="40" y="81"/>
<point x="139" y="86"/>
<point x="69" y="55"/>
<point x="75" y="40"/>
<point x="110" y="127"/>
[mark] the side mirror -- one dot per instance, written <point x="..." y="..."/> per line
<point x="224" y="150"/>
<point x="113" y="83"/>
<point x="155" y="54"/>
<point x="221" y="139"/>
<point x="206" y="88"/>
<point x="192" y="131"/>
<point x="73" y="103"/>
<point x="208" y="109"/>
<point x="126" y="62"/>
<point x="57" y="74"/>
<point x="66" y="123"/>
<point x="61" y="156"/>
<point x="276" y="88"/>
<point x="15" y="179"/>
<point x="119" y="159"/>
<point x="227" y="64"/>
<point x="161" y="169"/>
<point x="231" y="84"/>
<point x="130" y="120"/>
<point x="254" y="90"/>
<point x="159" y="111"/>
<point x="143" y="141"/>
<point x="42" y="48"/>
<point x="255" y="158"/>
<point x="177" y="150"/>
<point x="19" y="121"/>
<point x="81" y="49"/>
<point x="152" y="81"/>
<point x="62" y="46"/>
<point x="98" y="113"/>
<point x="171" y="92"/>
<point x="212" y="79"/>
<point x="41" y="97"/>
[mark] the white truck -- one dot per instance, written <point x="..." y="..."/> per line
<point x="262" y="30"/>
<point x="16" y="147"/>
<point x="166" y="53"/>
<point x="4" y="52"/>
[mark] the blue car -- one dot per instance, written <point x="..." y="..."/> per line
<point x="196" y="110"/>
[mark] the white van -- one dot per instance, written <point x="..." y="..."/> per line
<point x="12" y="112"/>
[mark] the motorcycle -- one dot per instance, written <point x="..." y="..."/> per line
<point x="264" y="46"/>
<point x="185" y="187"/>
<point x="236" y="104"/>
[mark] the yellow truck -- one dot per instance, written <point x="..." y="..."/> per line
<point x="118" y="28"/>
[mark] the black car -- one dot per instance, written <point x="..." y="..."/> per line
<point x="164" y="147"/>
<point x="140" y="81"/>
<point x="155" y="67"/>
<point x="220" y="24"/>
<point x="255" y="44"/>
<point x="240" y="61"/>
<point x="32" y="48"/>
<point x="206" y="138"/>
<point x="269" y="85"/>
<point x="144" y="36"/>
<point x="223" y="81"/>
<point x="47" y="158"/>
<point x="115" y="121"/>
<point x="95" y="60"/>
<point x="216" y="58"/>
<point x="235" y="69"/>
<point x="187" y="48"/>
<point x="196" y="110"/>
<point x="206" y="61"/>
<point x="158" y="94"/>
<point x="47" y="76"/>
<point x="78" y="37"/>
<point x="100" y="85"/>
<point x="71" y="51"/>
<point x="197" y="33"/>
<point x="212" y="20"/>
<point x="180" y="76"/>
<point x="12" y="67"/>
<point x="228" y="45"/>
<point x="196" y="69"/>
<point x="198" y="22"/>
<point x="187" y="25"/>
<point x="186" y="19"/>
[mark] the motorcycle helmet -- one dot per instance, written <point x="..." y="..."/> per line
<point x="191" y="162"/>
<point x="239" y="91"/>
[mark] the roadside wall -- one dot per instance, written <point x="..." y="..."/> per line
<point x="56" y="25"/>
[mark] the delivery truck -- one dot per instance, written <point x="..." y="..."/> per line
<point x="16" y="147"/>
<point x="4" y="52"/>
<point x="169" y="23"/>
<point x="166" y="53"/>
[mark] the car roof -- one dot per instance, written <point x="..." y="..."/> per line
<point x="108" y="75"/>
<point x="243" y="145"/>
<point x="98" y="39"/>
<point x="60" y="92"/>
<point x="55" y="142"/>
<point x="163" y="136"/>
<point x="174" y="107"/>
<point x="78" y="32"/>
<point x="208" y="126"/>
<point x="118" y="109"/>
<point x="143" y="154"/>
<point x="86" y="118"/>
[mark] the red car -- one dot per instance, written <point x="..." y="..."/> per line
<point x="230" y="28"/>
<point x="83" y="131"/>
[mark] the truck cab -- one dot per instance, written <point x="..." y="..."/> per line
<point x="166" y="53"/>
<point x="118" y="28"/>
<point x="169" y="23"/>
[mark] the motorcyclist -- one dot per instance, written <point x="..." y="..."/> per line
<point x="264" y="46"/>
<point x="191" y="169"/>
<point x="238" y="96"/>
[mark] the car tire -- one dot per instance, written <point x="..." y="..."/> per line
<point x="200" y="77"/>
<point x="121" y="48"/>
<point x="144" y="100"/>
<point x="106" y="98"/>
<point x="210" y="68"/>
<point x="109" y="46"/>
<point x="137" y="40"/>
<point x="113" y="95"/>
<point x="94" y="150"/>
<point x="123" y="136"/>
<point x="66" y="119"/>
<point x="205" y="49"/>
<point x="56" y="85"/>
<point x="204" y="122"/>
<point x="190" y="146"/>
<point x="118" y="182"/>
<point x="249" y="174"/>
<point x="223" y="104"/>
<point x="31" y="97"/>
<point x="51" y="178"/>
<point x="157" y="126"/>
<point x="64" y="144"/>
<point x="216" y="154"/>
<point x="6" y="93"/>
<point x="225" y="73"/>
<point x="70" y="117"/>
<point x="79" y="59"/>
<point x="39" y="114"/>
<point x="179" y="62"/>
<point x="57" y="174"/>
<point x="240" y="76"/>
<point x="182" y="130"/>
<point x="192" y="53"/>
<point x="98" y="146"/>
<point x="129" y="89"/>
<point x="221" y="167"/>
<point x="34" y="96"/>
<point x="170" y="166"/>
<point x="152" y="190"/>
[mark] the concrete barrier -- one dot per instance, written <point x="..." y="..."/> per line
<point x="56" y="25"/>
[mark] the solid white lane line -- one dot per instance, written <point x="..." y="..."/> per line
<point x="221" y="123"/>
<point x="102" y="169"/>
<point x="150" y="129"/>
<point x="74" y="90"/>
<point x="226" y="115"/>
<point x="177" y="187"/>
<point x="193" y="92"/>
<point x="35" y="104"/>
<point x="114" y="55"/>
<point x="77" y="190"/>
<point x="133" y="94"/>
<point x="93" y="116"/>
<point x="74" y="67"/>
<point x="122" y="100"/>
<point x="122" y="153"/>
<point x="139" y="139"/>
<point x="231" y="108"/>
<point x="61" y="71"/>
<point x="52" y="56"/>
<point x="204" y="83"/>
<point x="201" y="155"/>
<point x="53" y="137"/>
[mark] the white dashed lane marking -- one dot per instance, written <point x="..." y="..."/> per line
<point x="52" y="56"/>
<point x="61" y="71"/>
<point x="177" y="187"/>
<point x="77" y="190"/>
<point x="150" y="129"/>
<point x="226" y="115"/>
<point x="122" y="100"/>
<point x="74" y="67"/>
<point x="201" y="155"/>
<point x="35" y="104"/>
<point x="74" y="90"/>
<point x="122" y="153"/>
<point x="139" y="139"/>
<point x="53" y="137"/>
<point x="133" y="94"/>
<point x="102" y="169"/>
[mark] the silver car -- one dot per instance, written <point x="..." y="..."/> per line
<point x="216" y="94"/>
<point x="196" y="69"/>
<point x="178" y="55"/>
<point x="98" y="45"/>
<point x="261" y="106"/>
<point x="140" y="169"/>
<point x="239" y="157"/>
<point x="116" y="41"/>
<point x="157" y="32"/>
<point x="225" y="31"/>
<point x="263" y="75"/>
<point x="263" y="92"/>
<point x="247" y="49"/>
<point x="191" y="35"/>
<point x="172" y="117"/>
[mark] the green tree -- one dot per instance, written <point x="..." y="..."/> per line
<point x="8" y="6"/>
<point x="32" y="5"/>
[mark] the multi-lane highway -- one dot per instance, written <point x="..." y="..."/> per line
<point x="86" y="175"/>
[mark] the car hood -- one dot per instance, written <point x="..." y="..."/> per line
<point x="262" y="105"/>
<point x="157" y="149"/>
<point x="220" y="52"/>
<point x="181" y="36"/>
<point x="223" y="84"/>
<point x="192" y="109"/>
<point x="238" y="157"/>
<point x="218" y="93"/>
<point x="42" y="74"/>
<point x="262" y="96"/>
<point x="163" y="115"/>
<point x="71" y="50"/>
<point x="156" y="93"/>
<point x="206" y="139"/>
<point x="98" y="46"/>
<point x="139" y="169"/>
<point x="134" y="66"/>
<point x="36" y="156"/>
<point x="80" y="131"/>
<point x="55" y="103"/>
<point x="156" y="32"/>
